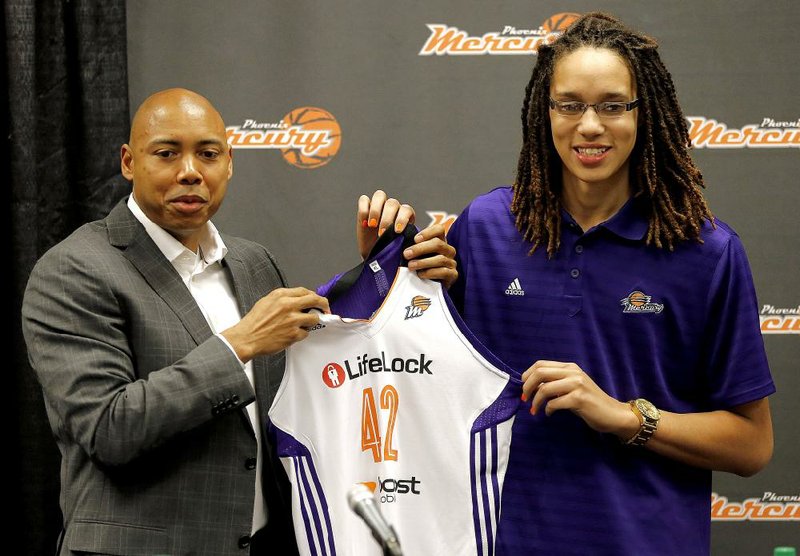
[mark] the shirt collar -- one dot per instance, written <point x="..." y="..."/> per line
<point x="212" y="247"/>
<point x="628" y="222"/>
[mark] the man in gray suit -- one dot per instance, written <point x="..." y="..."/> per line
<point x="152" y="335"/>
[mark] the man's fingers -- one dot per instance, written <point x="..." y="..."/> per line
<point x="314" y="301"/>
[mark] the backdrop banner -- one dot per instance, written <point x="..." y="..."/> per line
<point x="328" y="100"/>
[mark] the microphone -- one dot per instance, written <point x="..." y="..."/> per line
<point x="362" y="502"/>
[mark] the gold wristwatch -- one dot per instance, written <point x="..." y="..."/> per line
<point x="648" y="416"/>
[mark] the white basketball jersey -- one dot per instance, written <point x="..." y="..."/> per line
<point x="409" y="404"/>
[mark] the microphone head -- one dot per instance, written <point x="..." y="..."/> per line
<point x="359" y="493"/>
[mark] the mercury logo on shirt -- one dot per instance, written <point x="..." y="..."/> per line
<point x="334" y="375"/>
<point x="639" y="302"/>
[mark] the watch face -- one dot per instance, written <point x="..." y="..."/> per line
<point x="648" y="409"/>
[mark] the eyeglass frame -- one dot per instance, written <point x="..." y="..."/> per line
<point x="554" y="104"/>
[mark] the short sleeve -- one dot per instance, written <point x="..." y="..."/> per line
<point x="736" y="361"/>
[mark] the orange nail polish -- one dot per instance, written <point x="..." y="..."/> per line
<point x="364" y="223"/>
<point x="373" y="222"/>
<point x="380" y="232"/>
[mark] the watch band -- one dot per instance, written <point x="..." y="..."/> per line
<point x="647" y="424"/>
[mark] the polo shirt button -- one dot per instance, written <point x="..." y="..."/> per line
<point x="244" y="541"/>
<point x="250" y="463"/>
<point x="574" y="272"/>
<point x="579" y="248"/>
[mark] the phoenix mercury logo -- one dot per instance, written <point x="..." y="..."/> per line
<point x="307" y="137"/>
<point x="419" y="304"/>
<point x="441" y="217"/>
<point x="770" y="133"/>
<point x="451" y="41"/>
<point x="639" y="302"/>
<point x="780" y="320"/>
<point x="769" y="507"/>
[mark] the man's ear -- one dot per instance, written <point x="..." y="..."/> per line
<point x="230" y="161"/>
<point x="126" y="161"/>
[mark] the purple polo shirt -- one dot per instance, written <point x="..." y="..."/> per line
<point x="678" y="328"/>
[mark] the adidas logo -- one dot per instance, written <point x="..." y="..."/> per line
<point x="514" y="288"/>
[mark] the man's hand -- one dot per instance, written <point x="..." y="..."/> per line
<point x="375" y="215"/>
<point x="275" y="322"/>
<point x="556" y="385"/>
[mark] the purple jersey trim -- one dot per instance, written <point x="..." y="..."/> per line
<point x="476" y="519"/>
<point x="306" y="520"/>
<point x="485" y="490"/>
<point x="290" y="447"/>
<point x="366" y="295"/>
<point x="495" y="485"/>
<point x="484" y="519"/>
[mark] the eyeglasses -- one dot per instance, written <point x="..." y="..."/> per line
<point x="575" y="109"/>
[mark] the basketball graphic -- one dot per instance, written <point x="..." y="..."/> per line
<point x="559" y="22"/>
<point x="421" y="302"/>
<point x="327" y="137"/>
<point x="333" y="375"/>
<point x="638" y="299"/>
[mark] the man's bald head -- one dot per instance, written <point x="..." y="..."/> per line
<point x="163" y="103"/>
<point x="179" y="161"/>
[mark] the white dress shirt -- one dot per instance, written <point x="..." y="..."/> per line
<point x="212" y="288"/>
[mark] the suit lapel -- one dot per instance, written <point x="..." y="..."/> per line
<point x="247" y="297"/>
<point x="127" y="233"/>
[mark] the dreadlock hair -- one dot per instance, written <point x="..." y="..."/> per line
<point x="663" y="175"/>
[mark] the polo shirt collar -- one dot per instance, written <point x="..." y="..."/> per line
<point x="628" y="222"/>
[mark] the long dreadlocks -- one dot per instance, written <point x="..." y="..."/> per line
<point x="663" y="175"/>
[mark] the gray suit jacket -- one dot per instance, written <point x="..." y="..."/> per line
<point x="146" y="404"/>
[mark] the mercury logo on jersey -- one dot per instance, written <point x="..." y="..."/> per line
<point x="333" y="374"/>
<point x="419" y="304"/>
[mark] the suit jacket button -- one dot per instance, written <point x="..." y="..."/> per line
<point x="230" y="403"/>
<point x="250" y="463"/>
<point x="235" y="398"/>
<point x="244" y="541"/>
